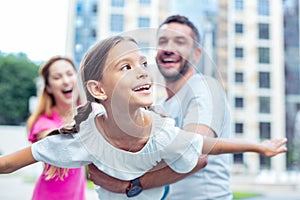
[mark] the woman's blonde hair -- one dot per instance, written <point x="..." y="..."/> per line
<point x="45" y="103"/>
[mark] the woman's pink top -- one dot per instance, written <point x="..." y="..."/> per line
<point x="73" y="186"/>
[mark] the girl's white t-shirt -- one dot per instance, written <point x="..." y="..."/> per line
<point x="179" y="149"/>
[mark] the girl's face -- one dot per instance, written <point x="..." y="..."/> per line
<point x="126" y="80"/>
<point x="62" y="83"/>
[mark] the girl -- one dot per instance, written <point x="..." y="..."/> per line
<point x="116" y="131"/>
<point x="57" y="100"/>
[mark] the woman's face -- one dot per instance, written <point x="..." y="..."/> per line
<point x="62" y="83"/>
<point x="126" y="80"/>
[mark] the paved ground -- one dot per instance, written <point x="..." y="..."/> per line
<point x="19" y="185"/>
<point x="16" y="187"/>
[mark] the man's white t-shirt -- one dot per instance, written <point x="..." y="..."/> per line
<point x="202" y="101"/>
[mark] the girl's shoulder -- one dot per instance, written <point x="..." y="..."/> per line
<point x="163" y="126"/>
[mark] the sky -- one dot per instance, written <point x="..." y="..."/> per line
<point x="34" y="27"/>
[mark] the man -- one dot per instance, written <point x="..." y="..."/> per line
<point x="198" y="104"/>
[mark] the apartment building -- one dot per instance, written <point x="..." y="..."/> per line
<point x="250" y="43"/>
<point x="292" y="81"/>
<point x="243" y="39"/>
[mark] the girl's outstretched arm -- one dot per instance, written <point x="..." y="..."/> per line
<point x="14" y="161"/>
<point x="267" y="148"/>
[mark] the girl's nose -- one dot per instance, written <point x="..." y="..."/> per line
<point x="143" y="75"/>
<point x="141" y="72"/>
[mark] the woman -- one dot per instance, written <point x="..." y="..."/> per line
<point x="60" y="95"/>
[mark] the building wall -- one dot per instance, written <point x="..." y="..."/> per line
<point x="249" y="90"/>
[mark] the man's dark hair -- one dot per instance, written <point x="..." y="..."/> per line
<point x="182" y="20"/>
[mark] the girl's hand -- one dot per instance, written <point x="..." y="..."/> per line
<point x="274" y="147"/>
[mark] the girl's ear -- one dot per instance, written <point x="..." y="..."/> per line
<point x="96" y="90"/>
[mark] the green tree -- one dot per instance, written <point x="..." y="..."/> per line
<point x="17" y="84"/>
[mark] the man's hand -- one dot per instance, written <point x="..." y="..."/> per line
<point x="105" y="181"/>
<point x="159" y="176"/>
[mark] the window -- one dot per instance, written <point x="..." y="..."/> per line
<point x="79" y="22"/>
<point x="117" y="3"/>
<point x="145" y="2"/>
<point x="78" y="48"/>
<point x="265" y="162"/>
<point x="116" y="23"/>
<point x="77" y="36"/>
<point x="265" y="133"/>
<point x="264" y="55"/>
<point x="239" y="128"/>
<point x="144" y="22"/>
<point x="79" y="8"/>
<point x="239" y="102"/>
<point x="239" y="77"/>
<point x="239" y="5"/>
<point x="265" y="130"/>
<point x="239" y="28"/>
<point x="238" y="158"/>
<point x="264" y="80"/>
<point x="94" y="33"/>
<point x="95" y="8"/>
<point x="263" y="7"/>
<point x="144" y="47"/>
<point x="239" y="52"/>
<point x="263" y="31"/>
<point x="264" y="105"/>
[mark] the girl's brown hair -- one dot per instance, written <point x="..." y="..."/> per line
<point x="91" y="68"/>
<point x="45" y="103"/>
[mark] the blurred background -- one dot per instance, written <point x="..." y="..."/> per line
<point x="251" y="46"/>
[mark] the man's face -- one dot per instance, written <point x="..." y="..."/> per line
<point x="176" y="50"/>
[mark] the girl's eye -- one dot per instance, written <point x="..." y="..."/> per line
<point x="145" y="64"/>
<point x="125" y="67"/>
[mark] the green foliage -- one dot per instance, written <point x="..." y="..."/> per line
<point x="17" y="84"/>
<point x="245" y="195"/>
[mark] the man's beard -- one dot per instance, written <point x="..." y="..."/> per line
<point x="175" y="76"/>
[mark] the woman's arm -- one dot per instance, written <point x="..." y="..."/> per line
<point x="14" y="161"/>
<point x="267" y="148"/>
